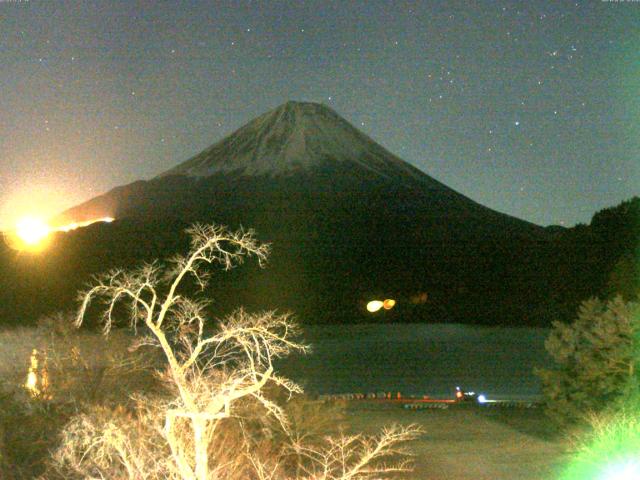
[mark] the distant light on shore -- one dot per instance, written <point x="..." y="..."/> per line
<point x="388" y="304"/>
<point x="375" y="305"/>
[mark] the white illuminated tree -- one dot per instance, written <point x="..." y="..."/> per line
<point x="210" y="370"/>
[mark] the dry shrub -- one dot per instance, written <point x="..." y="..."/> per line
<point x="82" y="370"/>
<point x="129" y="443"/>
<point x="85" y="367"/>
<point x="609" y="448"/>
<point x="28" y="431"/>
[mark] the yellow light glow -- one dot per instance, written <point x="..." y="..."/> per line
<point x="37" y="383"/>
<point x="374" y="305"/>
<point x="32" y="377"/>
<point x="76" y="225"/>
<point x="32" y="234"/>
<point x="32" y="383"/>
<point x="389" y="303"/>
<point x="32" y="230"/>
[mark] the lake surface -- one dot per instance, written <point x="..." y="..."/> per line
<point x="418" y="359"/>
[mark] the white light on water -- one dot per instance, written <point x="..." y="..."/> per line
<point x="374" y="305"/>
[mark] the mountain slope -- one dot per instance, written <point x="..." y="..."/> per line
<point x="296" y="136"/>
<point x="348" y="221"/>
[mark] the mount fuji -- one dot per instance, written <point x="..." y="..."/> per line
<point x="348" y="222"/>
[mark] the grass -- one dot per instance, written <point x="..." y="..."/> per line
<point x="468" y="442"/>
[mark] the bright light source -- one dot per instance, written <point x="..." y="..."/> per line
<point x="32" y="234"/>
<point x="374" y="305"/>
<point x="482" y="398"/>
<point x="625" y="471"/>
<point x="388" y="304"/>
<point x="32" y="231"/>
<point x="32" y="377"/>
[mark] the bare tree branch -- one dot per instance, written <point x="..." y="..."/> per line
<point x="211" y="370"/>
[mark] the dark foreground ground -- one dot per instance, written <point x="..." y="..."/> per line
<point x="468" y="442"/>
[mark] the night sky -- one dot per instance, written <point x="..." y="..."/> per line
<point x="530" y="108"/>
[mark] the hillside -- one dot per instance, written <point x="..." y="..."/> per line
<point x="348" y="221"/>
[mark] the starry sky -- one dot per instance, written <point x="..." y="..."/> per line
<point x="531" y="108"/>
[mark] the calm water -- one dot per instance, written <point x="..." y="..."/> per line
<point x="420" y="359"/>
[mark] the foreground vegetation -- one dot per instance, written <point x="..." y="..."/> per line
<point x="594" y="391"/>
<point x="170" y="395"/>
<point x="209" y="406"/>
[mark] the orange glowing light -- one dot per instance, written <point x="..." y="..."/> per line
<point x="32" y="234"/>
<point x="389" y="303"/>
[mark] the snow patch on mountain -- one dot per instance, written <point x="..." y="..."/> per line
<point x="293" y="137"/>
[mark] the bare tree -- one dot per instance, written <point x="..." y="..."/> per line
<point x="358" y="457"/>
<point x="210" y="371"/>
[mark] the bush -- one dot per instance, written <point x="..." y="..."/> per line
<point x="28" y="430"/>
<point x="610" y="449"/>
<point x="596" y="360"/>
<point x="82" y="371"/>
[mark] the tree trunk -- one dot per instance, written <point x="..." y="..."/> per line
<point x="200" y="447"/>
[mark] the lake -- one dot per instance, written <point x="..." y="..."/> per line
<point x="418" y="359"/>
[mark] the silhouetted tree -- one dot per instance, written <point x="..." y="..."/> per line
<point x="596" y="357"/>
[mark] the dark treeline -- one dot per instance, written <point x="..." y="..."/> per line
<point x="600" y="259"/>
<point x="325" y="269"/>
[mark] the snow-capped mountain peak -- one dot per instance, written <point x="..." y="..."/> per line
<point x="293" y="137"/>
